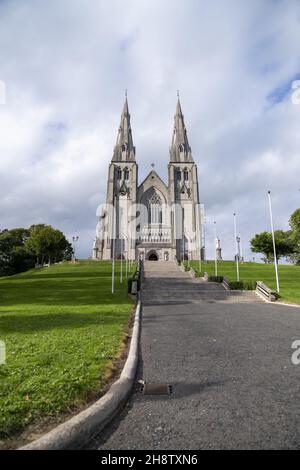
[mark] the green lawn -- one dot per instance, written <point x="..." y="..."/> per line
<point x="62" y="326"/>
<point x="289" y="276"/>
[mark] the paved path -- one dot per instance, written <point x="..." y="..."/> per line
<point x="227" y="356"/>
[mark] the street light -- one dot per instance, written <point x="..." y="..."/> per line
<point x="126" y="254"/>
<point x="274" y="245"/>
<point x="236" y="249"/>
<point x="113" y="246"/>
<point x="238" y="239"/>
<point x="241" y="249"/>
<point x="200" y="239"/>
<point x="75" y="240"/>
<point x="216" y="262"/>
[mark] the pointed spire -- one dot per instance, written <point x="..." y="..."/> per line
<point x="180" y="150"/>
<point x="124" y="149"/>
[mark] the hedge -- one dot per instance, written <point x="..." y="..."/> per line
<point x="215" y="278"/>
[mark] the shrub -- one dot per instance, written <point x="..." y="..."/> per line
<point x="198" y="273"/>
<point x="242" y="285"/>
<point x="215" y="278"/>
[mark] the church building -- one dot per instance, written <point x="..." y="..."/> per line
<point x="150" y="220"/>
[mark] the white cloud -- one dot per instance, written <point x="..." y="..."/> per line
<point x="66" y="66"/>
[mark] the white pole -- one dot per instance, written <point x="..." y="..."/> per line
<point x="216" y="261"/>
<point x="236" y="249"/>
<point x="241" y="247"/>
<point x="274" y="245"/>
<point x="200" y="239"/>
<point x="183" y="239"/>
<point x="121" y="270"/>
<point x="113" y="248"/>
<point x="204" y="241"/>
<point x="127" y="248"/>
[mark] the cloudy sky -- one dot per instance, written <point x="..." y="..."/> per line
<point x="65" y="65"/>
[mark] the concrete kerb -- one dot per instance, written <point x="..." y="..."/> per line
<point x="79" y="430"/>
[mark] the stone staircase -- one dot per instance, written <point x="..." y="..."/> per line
<point x="166" y="283"/>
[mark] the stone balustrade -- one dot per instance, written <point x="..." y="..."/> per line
<point x="155" y="234"/>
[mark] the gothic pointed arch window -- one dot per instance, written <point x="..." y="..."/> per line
<point x="126" y="174"/>
<point x="119" y="173"/>
<point x="124" y="150"/>
<point x="181" y="149"/>
<point x="185" y="174"/>
<point x="154" y="206"/>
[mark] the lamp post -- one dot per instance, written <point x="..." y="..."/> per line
<point x="204" y="238"/>
<point x="121" y="270"/>
<point x="126" y="255"/>
<point x="236" y="249"/>
<point x="238" y="240"/>
<point x="216" y="261"/>
<point x="241" y="249"/>
<point x="113" y="246"/>
<point x="274" y="245"/>
<point x="183" y="238"/>
<point x="75" y="240"/>
<point x="200" y="239"/>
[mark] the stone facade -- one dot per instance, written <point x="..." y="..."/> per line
<point x="151" y="220"/>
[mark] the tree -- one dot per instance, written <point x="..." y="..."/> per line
<point x="48" y="244"/>
<point x="14" y="257"/>
<point x="295" y="222"/>
<point x="263" y="243"/>
<point x="21" y="248"/>
<point x="295" y="226"/>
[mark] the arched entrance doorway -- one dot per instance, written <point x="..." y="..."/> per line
<point x="152" y="256"/>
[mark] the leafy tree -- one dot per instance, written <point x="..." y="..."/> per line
<point x="295" y="226"/>
<point x="263" y="243"/>
<point x="48" y="244"/>
<point x="14" y="257"/>
<point x="295" y="222"/>
<point x="21" y="248"/>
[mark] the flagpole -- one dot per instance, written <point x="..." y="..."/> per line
<point x="113" y="248"/>
<point x="216" y="262"/>
<point x="200" y="239"/>
<point x="121" y="270"/>
<point x="236" y="249"/>
<point x="274" y="245"/>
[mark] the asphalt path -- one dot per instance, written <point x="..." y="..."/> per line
<point x="228" y="360"/>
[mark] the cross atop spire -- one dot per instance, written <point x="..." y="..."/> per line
<point x="180" y="150"/>
<point x="124" y="149"/>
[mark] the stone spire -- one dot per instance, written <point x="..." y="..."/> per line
<point x="180" y="150"/>
<point x="124" y="150"/>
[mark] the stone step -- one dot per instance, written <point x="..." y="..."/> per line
<point x="166" y="283"/>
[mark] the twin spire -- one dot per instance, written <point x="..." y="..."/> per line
<point x="180" y="150"/>
<point x="124" y="149"/>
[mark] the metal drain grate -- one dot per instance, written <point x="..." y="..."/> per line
<point x="156" y="389"/>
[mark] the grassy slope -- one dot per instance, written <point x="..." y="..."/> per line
<point x="289" y="276"/>
<point x="61" y="326"/>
